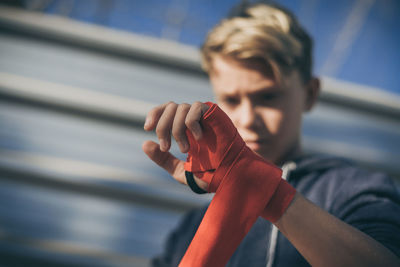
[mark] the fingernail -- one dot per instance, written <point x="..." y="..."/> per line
<point x="163" y="145"/>
<point x="146" y="123"/>
<point x="183" y="146"/>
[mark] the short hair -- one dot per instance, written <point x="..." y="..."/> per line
<point x="265" y="33"/>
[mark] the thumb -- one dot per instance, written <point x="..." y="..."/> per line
<point x="165" y="160"/>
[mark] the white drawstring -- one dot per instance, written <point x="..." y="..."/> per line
<point x="286" y="169"/>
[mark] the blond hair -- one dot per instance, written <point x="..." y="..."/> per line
<point x="261" y="33"/>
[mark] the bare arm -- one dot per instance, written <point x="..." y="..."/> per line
<point x="324" y="240"/>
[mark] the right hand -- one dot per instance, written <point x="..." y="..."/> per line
<point x="171" y="118"/>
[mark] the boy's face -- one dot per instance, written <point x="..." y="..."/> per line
<point x="267" y="116"/>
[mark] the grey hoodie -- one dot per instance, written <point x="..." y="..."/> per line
<point x="366" y="200"/>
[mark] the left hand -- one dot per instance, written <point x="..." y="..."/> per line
<point x="173" y="118"/>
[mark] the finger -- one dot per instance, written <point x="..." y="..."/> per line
<point x="165" y="160"/>
<point x="193" y="120"/>
<point x="179" y="127"/>
<point x="153" y="116"/>
<point x="164" y="126"/>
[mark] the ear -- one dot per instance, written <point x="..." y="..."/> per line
<point x="312" y="92"/>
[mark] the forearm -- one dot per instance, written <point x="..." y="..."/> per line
<point x="245" y="186"/>
<point x="324" y="240"/>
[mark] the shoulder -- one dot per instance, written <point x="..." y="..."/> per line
<point x="370" y="202"/>
<point x="332" y="182"/>
<point x="357" y="188"/>
<point x="365" y="199"/>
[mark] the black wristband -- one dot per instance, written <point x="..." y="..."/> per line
<point x="192" y="183"/>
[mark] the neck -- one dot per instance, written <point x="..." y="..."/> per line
<point x="292" y="153"/>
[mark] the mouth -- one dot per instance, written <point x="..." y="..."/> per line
<point x="255" y="144"/>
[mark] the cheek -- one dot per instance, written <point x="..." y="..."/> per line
<point x="231" y="112"/>
<point x="274" y="120"/>
<point x="234" y="115"/>
<point x="284" y="124"/>
<point x="290" y="122"/>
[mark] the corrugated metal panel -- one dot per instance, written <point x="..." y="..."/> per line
<point x="75" y="187"/>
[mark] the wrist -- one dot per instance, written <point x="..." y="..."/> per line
<point x="279" y="202"/>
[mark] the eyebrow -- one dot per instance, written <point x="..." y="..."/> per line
<point x="267" y="89"/>
<point x="261" y="91"/>
<point x="264" y="89"/>
<point x="271" y="91"/>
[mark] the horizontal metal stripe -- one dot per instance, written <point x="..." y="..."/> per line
<point x="83" y="170"/>
<point x="72" y="249"/>
<point x="152" y="197"/>
<point x="101" y="39"/>
<point x="362" y="98"/>
<point x="171" y="54"/>
<point x="68" y="99"/>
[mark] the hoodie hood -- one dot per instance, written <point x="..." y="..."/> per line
<point x="311" y="163"/>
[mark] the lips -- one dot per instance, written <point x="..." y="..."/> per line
<point x="260" y="140"/>
<point x="255" y="144"/>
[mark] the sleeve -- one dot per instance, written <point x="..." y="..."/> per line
<point x="370" y="202"/>
<point x="179" y="239"/>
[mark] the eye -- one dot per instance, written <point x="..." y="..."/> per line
<point x="268" y="99"/>
<point x="230" y="100"/>
<point x="269" y="96"/>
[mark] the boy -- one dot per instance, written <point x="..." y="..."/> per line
<point x="260" y="66"/>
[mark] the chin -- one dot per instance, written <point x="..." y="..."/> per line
<point x="263" y="151"/>
<point x="264" y="154"/>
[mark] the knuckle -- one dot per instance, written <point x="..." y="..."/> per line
<point x="177" y="135"/>
<point x="171" y="104"/>
<point x="197" y="104"/>
<point x="160" y="131"/>
<point x="184" y="106"/>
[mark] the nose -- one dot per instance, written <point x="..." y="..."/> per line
<point x="247" y="115"/>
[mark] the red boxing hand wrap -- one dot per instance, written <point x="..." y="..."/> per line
<point x="246" y="187"/>
<point x="205" y="155"/>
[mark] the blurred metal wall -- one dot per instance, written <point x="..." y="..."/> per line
<point x="75" y="187"/>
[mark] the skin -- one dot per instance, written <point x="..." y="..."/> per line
<point x="268" y="116"/>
